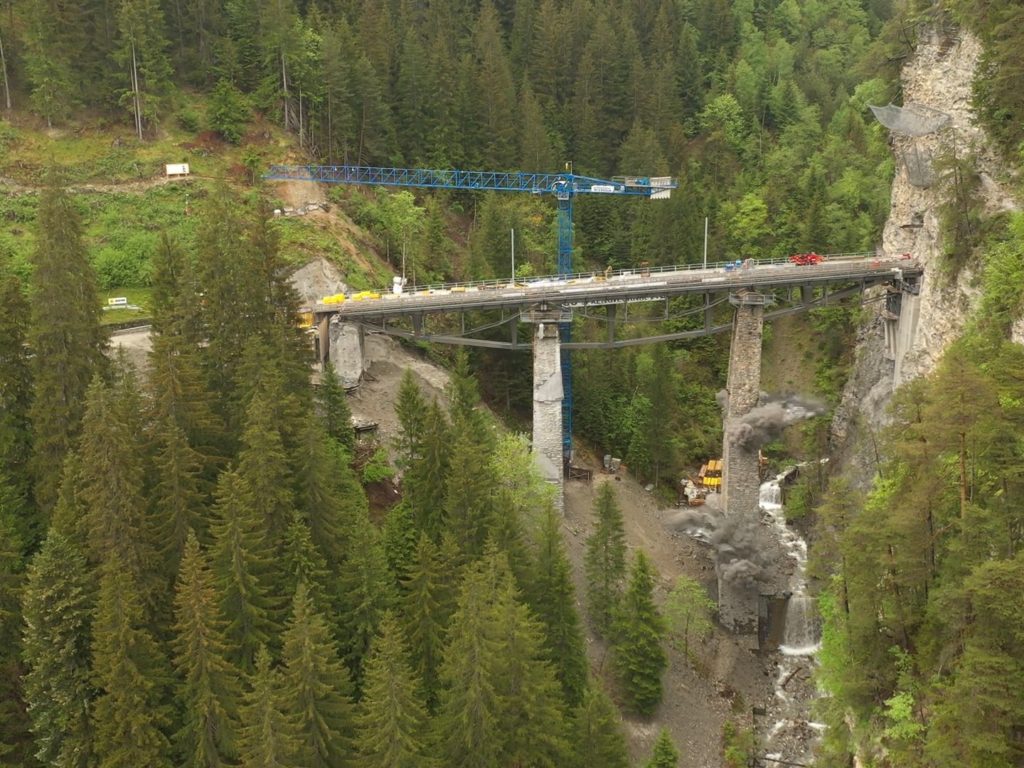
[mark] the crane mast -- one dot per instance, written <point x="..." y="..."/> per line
<point x="563" y="186"/>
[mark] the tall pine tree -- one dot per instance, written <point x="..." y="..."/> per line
<point x="57" y="607"/>
<point x="393" y="722"/>
<point x="637" y="647"/>
<point x="318" y="687"/>
<point x="605" y="560"/>
<point x="207" y="681"/>
<point x="67" y="345"/>
<point x="130" y="671"/>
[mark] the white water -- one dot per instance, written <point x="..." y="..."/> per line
<point x="792" y="735"/>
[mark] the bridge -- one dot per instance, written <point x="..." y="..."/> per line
<point x="756" y="291"/>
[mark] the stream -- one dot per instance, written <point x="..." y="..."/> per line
<point x="791" y="735"/>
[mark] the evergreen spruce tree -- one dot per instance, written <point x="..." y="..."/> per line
<point x="366" y="588"/>
<point x="427" y="603"/>
<point x="16" y="745"/>
<point x="241" y="559"/>
<point x="67" y="346"/>
<point x="178" y="503"/>
<point x="128" y="668"/>
<point x="329" y="494"/>
<point x="531" y="717"/>
<point x="393" y="722"/>
<point x="333" y="407"/>
<point x="637" y="647"/>
<point x="269" y="733"/>
<point x="605" y="560"/>
<point x="305" y="563"/>
<point x="469" y="731"/>
<point x="596" y="735"/>
<point x="57" y="608"/>
<point x="263" y="469"/>
<point x="411" y="410"/>
<point x="208" y="683"/>
<point x="143" y="53"/>
<point x="15" y="385"/>
<point x="426" y="476"/>
<point x="111" y="477"/>
<point x="317" y="687"/>
<point x="400" y="536"/>
<point x="554" y="601"/>
<point x="469" y="498"/>
<point x="665" y="753"/>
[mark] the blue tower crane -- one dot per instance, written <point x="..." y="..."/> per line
<point x="564" y="186"/>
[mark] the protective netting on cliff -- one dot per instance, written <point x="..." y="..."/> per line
<point x="913" y="121"/>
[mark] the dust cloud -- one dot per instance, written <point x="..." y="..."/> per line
<point x="765" y="423"/>
<point x="741" y="549"/>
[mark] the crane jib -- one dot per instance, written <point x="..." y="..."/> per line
<point x="559" y="184"/>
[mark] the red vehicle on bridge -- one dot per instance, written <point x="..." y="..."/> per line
<point x="806" y="259"/>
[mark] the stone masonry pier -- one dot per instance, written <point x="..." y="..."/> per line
<point x="738" y="599"/>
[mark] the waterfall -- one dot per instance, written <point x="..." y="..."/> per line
<point x="802" y="633"/>
<point x="770" y="496"/>
<point x="792" y="735"/>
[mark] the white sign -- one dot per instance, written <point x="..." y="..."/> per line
<point x="177" y="169"/>
<point x="120" y="301"/>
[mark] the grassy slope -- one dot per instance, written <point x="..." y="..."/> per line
<point x="126" y="202"/>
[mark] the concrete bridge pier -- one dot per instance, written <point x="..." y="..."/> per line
<point x="547" y="398"/>
<point x="738" y="598"/>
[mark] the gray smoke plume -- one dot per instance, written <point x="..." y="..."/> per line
<point x="766" y="422"/>
<point x="742" y="552"/>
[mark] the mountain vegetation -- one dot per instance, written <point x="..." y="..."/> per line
<point x="189" y="570"/>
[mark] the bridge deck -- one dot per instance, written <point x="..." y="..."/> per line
<point x="595" y="289"/>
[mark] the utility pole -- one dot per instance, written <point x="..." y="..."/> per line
<point x="513" y="255"/>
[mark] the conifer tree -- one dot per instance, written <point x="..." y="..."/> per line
<point x="269" y="733"/>
<point x="393" y="722"/>
<point x="57" y="607"/>
<point x="263" y="469"/>
<point x="427" y="604"/>
<point x="207" y="681"/>
<point x="67" y="346"/>
<point x="467" y="719"/>
<point x="333" y="407"/>
<point x="129" y="670"/>
<point x="400" y="535"/>
<point x="665" y="754"/>
<point x="531" y="714"/>
<point x="426" y="477"/>
<point x="469" y="502"/>
<point x="596" y="735"/>
<point x="554" y="601"/>
<point x="178" y="504"/>
<point x="605" y="560"/>
<point x="15" y="381"/>
<point x="143" y="53"/>
<point x="111" y="477"/>
<point x="241" y="560"/>
<point x="317" y="687"/>
<point x="329" y="493"/>
<point x="305" y="563"/>
<point x="411" y="410"/>
<point x="637" y="648"/>
<point x="366" y="588"/>
<point x="15" y="739"/>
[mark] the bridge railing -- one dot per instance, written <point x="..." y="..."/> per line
<point x="618" y="275"/>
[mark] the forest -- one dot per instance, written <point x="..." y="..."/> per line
<point x="190" y="572"/>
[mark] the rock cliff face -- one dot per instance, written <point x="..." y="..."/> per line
<point x="937" y="76"/>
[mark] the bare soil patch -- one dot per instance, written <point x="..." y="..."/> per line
<point x="696" y="703"/>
